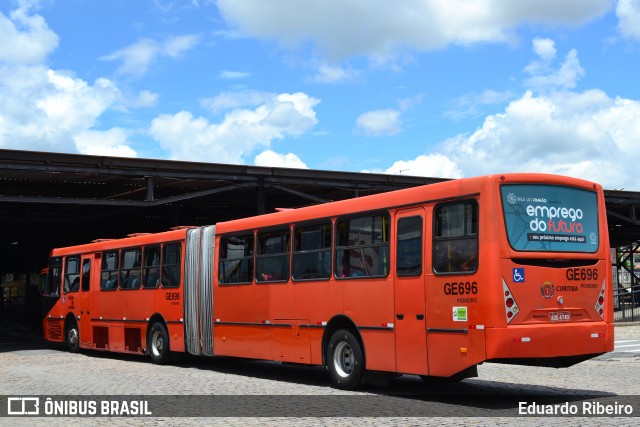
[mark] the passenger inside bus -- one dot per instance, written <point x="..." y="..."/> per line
<point x="110" y="284"/>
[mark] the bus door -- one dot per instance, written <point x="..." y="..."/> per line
<point x="84" y="307"/>
<point x="410" y="305"/>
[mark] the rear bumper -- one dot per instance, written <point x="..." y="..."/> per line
<point x="549" y="341"/>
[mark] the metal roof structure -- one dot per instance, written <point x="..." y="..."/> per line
<point x="51" y="199"/>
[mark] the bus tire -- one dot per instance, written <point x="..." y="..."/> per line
<point x="345" y="360"/>
<point x="72" y="336"/>
<point x="158" y="344"/>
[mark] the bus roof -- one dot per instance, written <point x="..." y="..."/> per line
<point x="132" y="240"/>
<point x="399" y="198"/>
<point x="394" y="199"/>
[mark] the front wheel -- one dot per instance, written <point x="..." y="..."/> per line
<point x="345" y="360"/>
<point x="72" y="336"/>
<point x="158" y="344"/>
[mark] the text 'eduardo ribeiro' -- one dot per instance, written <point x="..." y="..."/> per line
<point x="581" y="408"/>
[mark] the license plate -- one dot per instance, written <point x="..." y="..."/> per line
<point x="559" y="316"/>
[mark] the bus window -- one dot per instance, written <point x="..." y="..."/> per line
<point x="109" y="273"/>
<point x="362" y="246"/>
<point x="272" y="259"/>
<point x="455" y="239"/>
<point x="312" y="253"/>
<point x="151" y="267"/>
<point x="86" y="274"/>
<point x="236" y="259"/>
<point x="54" y="277"/>
<point x="409" y="248"/>
<point x="171" y="254"/>
<point x="550" y="218"/>
<point x="72" y="274"/>
<point x="130" y="268"/>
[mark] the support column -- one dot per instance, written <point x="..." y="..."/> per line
<point x="261" y="197"/>
<point x="149" y="189"/>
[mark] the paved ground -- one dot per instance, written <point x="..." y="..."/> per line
<point x="30" y="367"/>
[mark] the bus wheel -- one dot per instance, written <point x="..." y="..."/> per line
<point x="158" y="344"/>
<point x="345" y="360"/>
<point x="72" y="336"/>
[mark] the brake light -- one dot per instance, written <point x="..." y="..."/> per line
<point x="510" y="305"/>
<point x="599" y="307"/>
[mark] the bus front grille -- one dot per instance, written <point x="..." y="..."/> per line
<point x="54" y="329"/>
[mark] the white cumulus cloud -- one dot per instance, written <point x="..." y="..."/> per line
<point x="587" y="135"/>
<point x="379" y="28"/>
<point x="112" y="142"/>
<point x="26" y="38"/>
<point x="269" y="158"/>
<point x="241" y="131"/>
<point x="231" y="100"/>
<point x="432" y="165"/>
<point x="329" y="74"/>
<point x="544" y="48"/>
<point x="545" y="77"/>
<point x="628" y="12"/>
<point x="44" y="109"/>
<point x="380" y="122"/>
<point x="139" y="56"/>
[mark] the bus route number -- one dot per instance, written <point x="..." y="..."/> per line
<point x="461" y="288"/>
<point x="172" y="296"/>
<point x="582" y="274"/>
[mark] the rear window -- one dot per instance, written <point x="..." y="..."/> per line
<point x="550" y="218"/>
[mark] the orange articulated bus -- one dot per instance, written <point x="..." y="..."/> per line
<point x="431" y="280"/>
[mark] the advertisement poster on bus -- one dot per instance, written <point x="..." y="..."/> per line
<point x="550" y="218"/>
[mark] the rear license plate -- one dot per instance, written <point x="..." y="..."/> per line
<point x="559" y="316"/>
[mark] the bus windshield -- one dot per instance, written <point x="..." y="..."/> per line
<point x="550" y="218"/>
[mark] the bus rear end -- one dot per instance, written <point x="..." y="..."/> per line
<point x="556" y="304"/>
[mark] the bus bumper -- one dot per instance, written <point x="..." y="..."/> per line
<point x="542" y="341"/>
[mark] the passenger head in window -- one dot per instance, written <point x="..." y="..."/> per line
<point x="470" y="263"/>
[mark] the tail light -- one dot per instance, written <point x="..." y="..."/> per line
<point x="510" y="305"/>
<point x="599" y="307"/>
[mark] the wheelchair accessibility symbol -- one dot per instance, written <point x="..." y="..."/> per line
<point x="518" y="275"/>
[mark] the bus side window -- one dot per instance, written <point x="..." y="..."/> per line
<point x="151" y="267"/>
<point x="86" y="274"/>
<point x="72" y="274"/>
<point x="312" y="253"/>
<point x="362" y="246"/>
<point x="409" y="248"/>
<point x="272" y="259"/>
<point x="130" y="268"/>
<point x="109" y="271"/>
<point x="455" y="238"/>
<point x="171" y="253"/>
<point x="54" y="277"/>
<point x="235" y="265"/>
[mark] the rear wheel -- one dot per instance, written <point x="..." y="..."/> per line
<point x="158" y="344"/>
<point x="72" y="336"/>
<point x="345" y="360"/>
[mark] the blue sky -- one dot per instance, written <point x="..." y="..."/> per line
<point x="423" y="87"/>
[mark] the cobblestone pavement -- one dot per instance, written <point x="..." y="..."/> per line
<point x="31" y="368"/>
